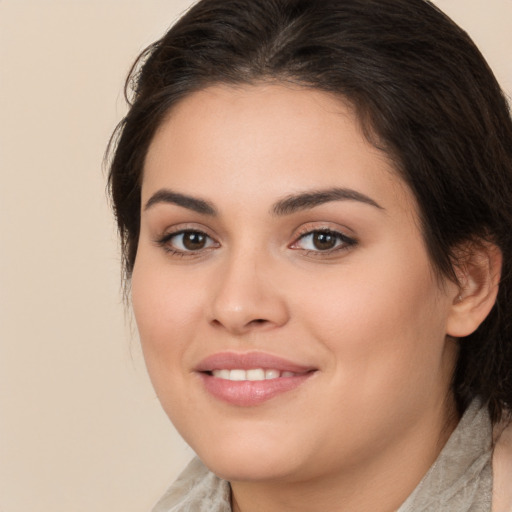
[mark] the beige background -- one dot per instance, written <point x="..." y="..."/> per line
<point x="80" y="427"/>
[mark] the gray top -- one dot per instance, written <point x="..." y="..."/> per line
<point x="460" y="480"/>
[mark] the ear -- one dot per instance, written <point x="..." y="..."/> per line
<point x="479" y="271"/>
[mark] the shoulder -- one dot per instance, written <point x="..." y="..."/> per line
<point x="502" y="467"/>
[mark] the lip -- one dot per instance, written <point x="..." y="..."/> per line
<point x="248" y="360"/>
<point x="250" y="393"/>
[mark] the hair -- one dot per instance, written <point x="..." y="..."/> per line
<point x="423" y="94"/>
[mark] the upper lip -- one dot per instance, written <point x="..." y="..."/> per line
<point x="249" y="360"/>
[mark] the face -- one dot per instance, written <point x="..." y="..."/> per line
<point x="289" y="315"/>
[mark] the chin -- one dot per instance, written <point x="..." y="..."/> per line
<point x="247" y="468"/>
<point x="250" y="457"/>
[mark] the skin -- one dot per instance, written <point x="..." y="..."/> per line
<point x="370" y="315"/>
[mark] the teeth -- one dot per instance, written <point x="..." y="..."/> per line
<point x="237" y="375"/>
<point x="254" y="374"/>
<point x="272" y="374"/>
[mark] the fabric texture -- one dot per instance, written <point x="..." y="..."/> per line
<point x="460" y="480"/>
<point x="196" y="490"/>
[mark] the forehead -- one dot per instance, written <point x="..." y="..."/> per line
<point x="273" y="138"/>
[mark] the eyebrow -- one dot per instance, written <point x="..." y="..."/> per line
<point x="307" y="200"/>
<point x="191" y="203"/>
<point x="286" y="206"/>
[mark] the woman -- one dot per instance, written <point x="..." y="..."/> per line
<point x="314" y="201"/>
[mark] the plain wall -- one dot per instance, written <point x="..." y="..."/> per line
<point x="80" y="427"/>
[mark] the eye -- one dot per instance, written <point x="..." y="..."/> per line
<point x="187" y="241"/>
<point x="323" y="240"/>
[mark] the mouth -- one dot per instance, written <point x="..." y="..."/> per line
<point x="250" y="379"/>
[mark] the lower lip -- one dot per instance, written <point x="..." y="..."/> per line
<point x="246" y="393"/>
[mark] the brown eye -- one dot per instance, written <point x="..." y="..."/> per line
<point x="187" y="241"/>
<point x="194" y="240"/>
<point x="323" y="241"/>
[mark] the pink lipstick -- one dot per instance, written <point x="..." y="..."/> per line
<point x="249" y="379"/>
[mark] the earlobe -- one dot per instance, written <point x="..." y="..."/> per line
<point x="479" y="273"/>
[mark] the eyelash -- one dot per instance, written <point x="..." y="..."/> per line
<point x="342" y="241"/>
<point x="166" y="243"/>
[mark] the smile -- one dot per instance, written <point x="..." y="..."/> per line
<point x="250" y="379"/>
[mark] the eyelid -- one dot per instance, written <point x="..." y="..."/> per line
<point x="323" y="225"/>
<point x="164" y="240"/>
<point x="310" y="229"/>
<point x="180" y="227"/>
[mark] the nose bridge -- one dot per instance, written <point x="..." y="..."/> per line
<point x="246" y="297"/>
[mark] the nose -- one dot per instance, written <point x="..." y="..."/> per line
<point x="246" y="297"/>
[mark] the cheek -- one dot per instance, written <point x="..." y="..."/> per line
<point x="385" y="336"/>
<point x="380" y="320"/>
<point x="163" y="298"/>
<point x="165" y="311"/>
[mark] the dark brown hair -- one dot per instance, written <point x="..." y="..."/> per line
<point x="423" y="92"/>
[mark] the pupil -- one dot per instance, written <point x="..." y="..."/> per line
<point x="324" y="241"/>
<point x="194" y="241"/>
